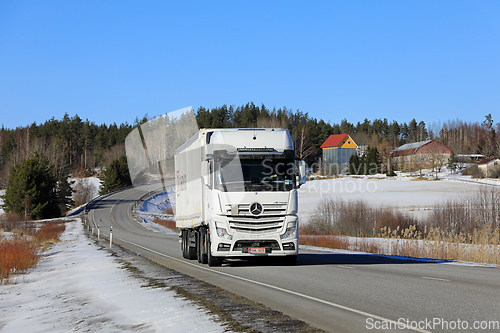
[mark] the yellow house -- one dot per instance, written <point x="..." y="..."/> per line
<point x="338" y="149"/>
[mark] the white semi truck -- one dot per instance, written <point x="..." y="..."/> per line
<point x="236" y="195"/>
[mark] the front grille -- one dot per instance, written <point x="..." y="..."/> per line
<point x="250" y="224"/>
<point x="271" y="219"/>
<point x="270" y="209"/>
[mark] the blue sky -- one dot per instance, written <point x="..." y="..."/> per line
<point x="113" y="61"/>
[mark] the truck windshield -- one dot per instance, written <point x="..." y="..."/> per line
<point x="245" y="175"/>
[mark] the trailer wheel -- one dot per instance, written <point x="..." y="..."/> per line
<point x="183" y="244"/>
<point x="212" y="261"/>
<point x="198" y="246"/>
<point x="190" y="250"/>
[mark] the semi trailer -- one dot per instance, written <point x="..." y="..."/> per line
<point x="236" y="195"/>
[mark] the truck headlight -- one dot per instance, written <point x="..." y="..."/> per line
<point x="222" y="233"/>
<point x="290" y="230"/>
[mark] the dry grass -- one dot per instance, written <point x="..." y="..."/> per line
<point x="482" y="246"/>
<point x="17" y="255"/>
<point x="340" y="242"/>
<point x="49" y="233"/>
<point x="466" y="229"/>
<point x="418" y="179"/>
<point x="21" y="252"/>
<point x="170" y="224"/>
<point x="353" y="218"/>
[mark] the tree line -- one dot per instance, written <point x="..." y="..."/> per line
<point x="309" y="133"/>
<point x="66" y="143"/>
<point x="71" y="141"/>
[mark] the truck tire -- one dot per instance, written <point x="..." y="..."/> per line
<point x="190" y="250"/>
<point x="212" y="261"/>
<point x="183" y="244"/>
<point x="203" y="246"/>
<point x="191" y="253"/>
<point x="198" y="246"/>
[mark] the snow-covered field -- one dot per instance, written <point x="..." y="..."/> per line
<point x="80" y="288"/>
<point x="416" y="197"/>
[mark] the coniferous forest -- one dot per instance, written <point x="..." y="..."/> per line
<point x="74" y="144"/>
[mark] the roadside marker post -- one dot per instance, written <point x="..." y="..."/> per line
<point x="110" y="236"/>
<point x="98" y="232"/>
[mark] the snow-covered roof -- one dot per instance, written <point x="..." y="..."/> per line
<point x="487" y="160"/>
<point x="470" y="155"/>
<point x="413" y="145"/>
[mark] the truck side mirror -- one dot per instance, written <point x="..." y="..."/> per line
<point x="302" y="172"/>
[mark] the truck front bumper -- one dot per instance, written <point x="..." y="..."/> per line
<point x="242" y="246"/>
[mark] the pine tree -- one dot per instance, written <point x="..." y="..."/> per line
<point x="64" y="192"/>
<point x="452" y="163"/>
<point x="31" y="189"/>
<point x="372" y="161"/>
<point x="354" y="165"/>
<point x="116" y="175"/>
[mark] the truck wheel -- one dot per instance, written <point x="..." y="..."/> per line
<point x="183" y="244"/>
<point x="212" y="261"/>
<point x="203" y="246"/>
<point x="198" y="246"/>
<point x="190" y="250"/>
<point x="191" y="253"/>
<point x="290" y="260"/>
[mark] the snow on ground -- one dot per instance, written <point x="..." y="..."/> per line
<point x="93" y="183"/>
<point x="80" y="288"/>
<point x="417" y="196"/>
<point x="2" y="192"/>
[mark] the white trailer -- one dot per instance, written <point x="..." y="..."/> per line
<point x="236" y="195"/>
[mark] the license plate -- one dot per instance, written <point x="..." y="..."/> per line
<point x="257" y="250"/>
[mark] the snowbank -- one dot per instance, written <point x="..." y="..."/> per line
<point x="154" y="207"/>
<point x="80" y="288"/>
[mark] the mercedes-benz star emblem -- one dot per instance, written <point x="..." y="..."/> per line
<point x="256" y="208"/>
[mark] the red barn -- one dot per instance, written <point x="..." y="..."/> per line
<point x="420" y="155"/>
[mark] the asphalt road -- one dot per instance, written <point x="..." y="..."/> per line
<point x="334" y="292"/>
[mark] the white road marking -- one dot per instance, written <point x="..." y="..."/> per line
<point x="437" y="279"/>
<point x="343" y="266"/>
